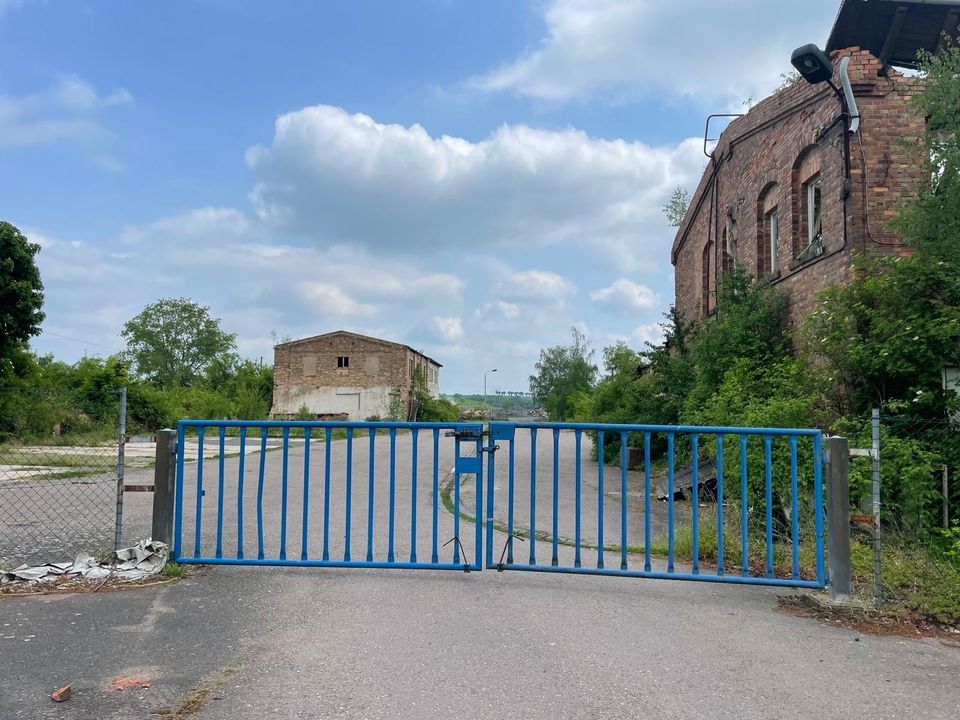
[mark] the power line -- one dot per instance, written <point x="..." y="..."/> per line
<point x="85" y="342"/>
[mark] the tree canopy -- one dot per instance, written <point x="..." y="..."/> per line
<point x="561" y="372"/>
<point x="174" y="342"/>
<point x="21" y="293"/>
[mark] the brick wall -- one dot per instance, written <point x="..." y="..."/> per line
<point x="767" y="158"/>
<point x="307" y="373"/>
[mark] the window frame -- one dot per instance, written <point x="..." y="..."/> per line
<point x="772" y="231"/>
<point x="343" y="362"/>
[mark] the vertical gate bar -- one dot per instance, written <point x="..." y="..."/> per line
<point x="263" y="464"/>
<point x="744" y="550"/>
<point x="510" y="481"/>
<point x="478" y="505"/>
<point x="327" y="437"/>
<point x="818" y="505"/>
<point x="600" y="469"/>
<point x="240" y="471"/>
<point x="720" y="568"/>
<point x="391" y="518"/>
<point x="554" y="558"/>
<point x="456" y="502"/>
<point x="695" y="502"/>
<point x="283" y="492"/>
<point x="533" y="496"/>
<point x="348" y="506"/>
<point x="794" y="506"/>
<point x="670" y="494"/>
<point x="768" y="479"/>
<point x="121" y="465"/>
<point x="178" y="496"/>
<point x="222" y="449"/>
<point x="196" y="536"/>
<point x="370" y="494"/>
<point x="434" y="555"/>
<point x="306" y="493"/>
<point x="646" y="502"/>
<point x="623" y="500"/>
<point x="491" y="469"/>
<point x="414" y="439"/>
<point x="576" y="556"/>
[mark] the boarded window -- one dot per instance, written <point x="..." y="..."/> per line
<point x="309" y="364"/>
<point x="372" y="365"/>
<point x="343" y="361"/>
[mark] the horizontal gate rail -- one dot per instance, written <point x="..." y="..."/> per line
<point x="307" y="518"/>
<point x="764" y="505"/>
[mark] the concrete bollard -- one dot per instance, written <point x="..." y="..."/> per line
<point x="838" y="518"/>
<point x="165" y="472"/>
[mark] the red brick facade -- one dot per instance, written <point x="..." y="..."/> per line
<point x="774" y="167"/>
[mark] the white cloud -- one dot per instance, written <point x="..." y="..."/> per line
<point x="538" y="286"/>
<point x="632" y="48"/>
<point x="448" y="328"/>
<point x="649" y="333"/>
<point x="329" y="299"/>
<point x="626" y="296"/>
<point x="339" y="177"/>
<point x="497" y="310"/>
<point x="223" y="258"/>
<point x="68" y="111"/>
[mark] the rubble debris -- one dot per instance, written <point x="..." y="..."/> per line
<point x="144" y="559"/>
<point x="62" y="694"/>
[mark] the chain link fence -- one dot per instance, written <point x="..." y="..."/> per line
<point x="920" y="459"/>
<point x="61" y="473"/>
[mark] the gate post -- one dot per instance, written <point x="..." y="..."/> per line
<point x="165" y="469"/>
<point x="838" y="518"/>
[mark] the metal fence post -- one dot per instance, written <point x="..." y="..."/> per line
<point x="877" y="575"/>
<point x="164" y="480"/>
<point x="838" y="518"/>
<point x="121" y="443"/>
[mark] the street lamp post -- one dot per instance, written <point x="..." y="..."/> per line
<point x="486" y="372"/>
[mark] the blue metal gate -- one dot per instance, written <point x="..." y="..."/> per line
<point x="271" y="506"/>
<point x="721" y="504"/>
<point x="769" y="483"/>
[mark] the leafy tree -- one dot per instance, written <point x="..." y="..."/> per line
<point x="429" y="408"/>
<point x="561" y="372"/>
<point x="21" y="294"/>
<point x="751" y="323"/>
<point x="676" y="207"/>
<point x="887" y="334"/>
<point x="174" y="341"/>
<point x="931" y="223"/>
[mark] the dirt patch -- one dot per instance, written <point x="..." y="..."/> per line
<point x="868" y="620"/>
<point x="194" y="701"/>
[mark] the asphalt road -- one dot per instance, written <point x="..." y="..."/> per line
<point x="360" y="643"/>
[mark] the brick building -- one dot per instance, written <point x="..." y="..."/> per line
<point x="787" y="195"/>
<point x="343" y="375"/>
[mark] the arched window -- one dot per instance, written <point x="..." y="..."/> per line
<point x="768" y="231"/>
<point x="807" y="205"/>
<point x="709" y="279"/>
<point x="728" y="247"/>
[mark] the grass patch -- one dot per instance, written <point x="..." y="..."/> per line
<point x="176" y="570"/>
<point x="916" y="579"/>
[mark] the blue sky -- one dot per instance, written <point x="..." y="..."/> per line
<point x="470" y="178"/>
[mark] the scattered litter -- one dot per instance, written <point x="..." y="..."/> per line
<point x="129" y="683"/>
<point x="62" y="694"/>
<point x="144" y="559"/>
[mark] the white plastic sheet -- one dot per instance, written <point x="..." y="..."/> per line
<point x="144" y="559"/>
